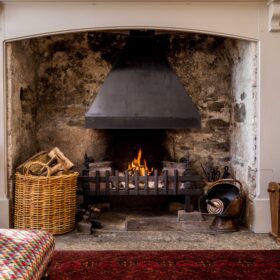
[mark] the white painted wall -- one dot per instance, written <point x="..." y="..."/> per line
<point x="248" y="20"/>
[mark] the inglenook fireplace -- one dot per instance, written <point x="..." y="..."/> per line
<point x="55" y="69"/>
<point x="174" y="96"/>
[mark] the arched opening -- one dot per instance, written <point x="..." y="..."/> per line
<point x="51" y="81"/>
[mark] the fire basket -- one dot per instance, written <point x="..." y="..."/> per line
<point x="225" y="200"/>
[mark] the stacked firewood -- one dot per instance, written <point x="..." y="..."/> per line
<point x="52" y="163"/>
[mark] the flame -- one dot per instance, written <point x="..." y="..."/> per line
<point x="137" y="165"/>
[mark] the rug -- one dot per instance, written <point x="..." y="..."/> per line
<point x="165" y="265"/>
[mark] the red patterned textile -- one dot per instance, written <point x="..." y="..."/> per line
<point x="24" y="254"/>
<point x="165" y="265"/>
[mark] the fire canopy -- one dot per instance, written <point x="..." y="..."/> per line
<point x="142" y="91"/>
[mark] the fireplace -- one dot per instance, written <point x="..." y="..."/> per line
<point x="247" y="84"/>
<point x="67" y="72"/>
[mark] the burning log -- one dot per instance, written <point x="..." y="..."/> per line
<point x="138" y="165"/>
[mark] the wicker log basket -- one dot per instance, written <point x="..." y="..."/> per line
<point x="45" y="202"/>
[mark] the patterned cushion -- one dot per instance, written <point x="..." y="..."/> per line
<point x="24" y="254"/>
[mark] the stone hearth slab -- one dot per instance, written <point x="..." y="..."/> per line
<point x="153" y="224"/>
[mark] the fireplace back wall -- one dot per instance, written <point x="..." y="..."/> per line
<point x="52" y="80"/>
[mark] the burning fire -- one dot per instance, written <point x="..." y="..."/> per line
<point x="140" y="167"/>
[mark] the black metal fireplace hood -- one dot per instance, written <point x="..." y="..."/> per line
<point x="142" y="91"/>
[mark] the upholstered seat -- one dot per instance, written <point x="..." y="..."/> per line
<point x="24" y="254"/>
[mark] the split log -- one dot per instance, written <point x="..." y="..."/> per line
<point x="55" y="159"/>
<point x="58" y="162"/>
<point x="35" y="169"/>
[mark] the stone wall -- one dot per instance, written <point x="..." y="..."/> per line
<point x="202" y="64"/>
<point x="59" y="76"/>
<point x="72" y="69"/>
<point x="22" y="95"/>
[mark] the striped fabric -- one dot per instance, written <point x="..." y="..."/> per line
<point x="24" y="254"/>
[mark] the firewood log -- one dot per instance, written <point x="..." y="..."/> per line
<point x="58" y="162"/>
<point x="35" y="169"/>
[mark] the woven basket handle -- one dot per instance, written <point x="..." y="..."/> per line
<point x="28" y="165"/>
<point x="228" y="181"/>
